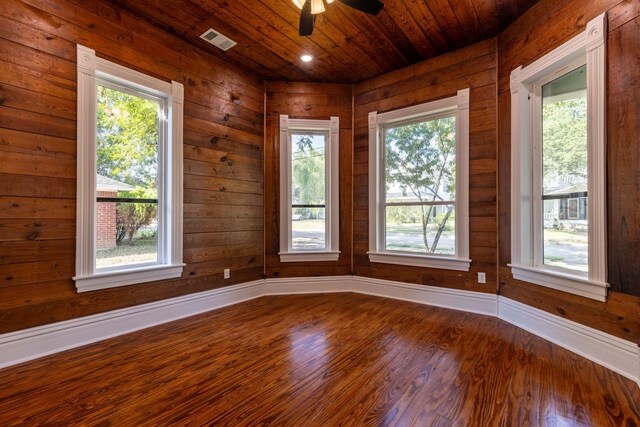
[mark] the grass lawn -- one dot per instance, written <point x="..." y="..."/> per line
<point x="143" y="250"/>
<point x="564" y="237"/>
<point x="415" y="228"/>
<point x="308" y="225"/>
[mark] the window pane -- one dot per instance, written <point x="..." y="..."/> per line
<point x="420" y="161"/>
<point x="308" y="229"/>
<point x="420" y="229"/>
<point x="564" y="171"/>
<point x="308" y="225"/>
<point x="307" y="168"/>
<point x="127" y="168"/>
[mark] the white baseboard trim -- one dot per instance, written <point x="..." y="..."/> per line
<point x="21" y="346"/>
<point x="619" y="355"/>
<point x="474" y="302"/>
<point x="308" y="285"/>
<point x="612" y="352"/>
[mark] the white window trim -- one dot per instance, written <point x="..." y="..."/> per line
<point x="460" y="261"/>
<point x="591" y="44"/>
<point x="170" y="266"/>
<point x="332" y="190"/>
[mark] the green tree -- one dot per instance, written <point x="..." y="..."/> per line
<point x="420" y="158"/>
<point x="130" y="217"/>
<point x="564" y="135"/>
<point x="127" y="151"/>
<point x="308" y="173"/>
<point x="127" y="137"/>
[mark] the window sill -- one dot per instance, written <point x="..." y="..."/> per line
<point x="308" y="256"/>
<point x="445" y="263"/>
<point x="113" y="279"/>
<point x="563" y="282"/>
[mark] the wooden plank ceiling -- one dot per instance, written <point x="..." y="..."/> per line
<point x="348" y="46"/>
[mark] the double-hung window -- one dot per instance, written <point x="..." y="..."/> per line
<point x="309" y="189"/>
<point x="418" y="188"/>
<point x="129" y="209"/>
<point x="558" y="167"/>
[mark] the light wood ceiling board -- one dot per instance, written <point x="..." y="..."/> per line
<point x="407" y="23"/>
<point x="188" y="21"/>
<point x="429" y="25"/>
<point x="466" y="15"/>
<point x="332" y="39"/>
<point x="283" y="30"/>
<point x="443" y="14"/>
<point x="269" y="36"/>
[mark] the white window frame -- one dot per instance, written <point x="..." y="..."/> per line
<point x="91" y="70"/>
<point x="459" y="106"/>
<point x="332" y="190"/>
<point x="588" y="47"/>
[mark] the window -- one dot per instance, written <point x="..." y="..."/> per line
<point x="309" y="222"/>
<point x="129" y="227"/>
<point x="558" y="167"/>
<point x="418" y="189"/>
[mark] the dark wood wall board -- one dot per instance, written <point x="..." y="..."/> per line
<point x="223" y="158"/>
<point x="544" y="27"/>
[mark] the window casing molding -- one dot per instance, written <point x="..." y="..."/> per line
<point x="588" y="47"/>
<point x="331" y="252"/>
<point x="456" y="105"/>
<point x="91" y="70"/>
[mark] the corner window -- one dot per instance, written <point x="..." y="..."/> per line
<point x="558" y="167"/>
<point x="309" y="223"/>
<point x="129" y="210"/>
<point x="418" y="168"/>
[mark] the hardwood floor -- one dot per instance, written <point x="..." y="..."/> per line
<point x="320" y="360"/>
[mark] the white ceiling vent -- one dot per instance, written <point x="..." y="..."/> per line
<point x="217" y="39"/>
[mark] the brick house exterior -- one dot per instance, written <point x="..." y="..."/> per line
<point x="106" y="211"/>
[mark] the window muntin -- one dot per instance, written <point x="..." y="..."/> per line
<point x="420" y="186"/>
<point x="564" y="158"/>
<point x="308" y="190"/>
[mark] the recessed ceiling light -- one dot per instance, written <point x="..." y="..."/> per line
<point x="306" y="58"/>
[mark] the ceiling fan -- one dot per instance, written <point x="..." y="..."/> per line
<point x="310" y="8"/>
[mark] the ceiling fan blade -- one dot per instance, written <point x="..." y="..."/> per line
<point x="372" y="7"/>
<point x="307" y="19"/>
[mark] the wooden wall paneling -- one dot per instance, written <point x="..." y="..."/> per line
<point x="309" y="101"/>
<point x="441" y="77"/>
<point x="110" y="44"/>
<point x="544" y="27"/>
<point x="623" y="115"/>
<point x="223" y="158"/>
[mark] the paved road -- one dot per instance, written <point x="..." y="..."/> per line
<point x="571" y="254"/>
